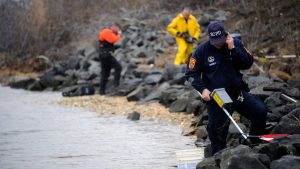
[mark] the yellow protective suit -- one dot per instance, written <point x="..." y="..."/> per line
<point x="179" y="24"/>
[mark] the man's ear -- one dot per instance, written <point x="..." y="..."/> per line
<point x="226" y="34"/>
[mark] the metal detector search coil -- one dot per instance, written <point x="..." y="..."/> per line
<point x="221" y="97"/>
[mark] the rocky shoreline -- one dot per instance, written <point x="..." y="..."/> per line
<point x="148" y="79"/>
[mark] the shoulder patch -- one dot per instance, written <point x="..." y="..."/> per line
<point x="192" y="63"/>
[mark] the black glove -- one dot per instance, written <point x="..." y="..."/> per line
<point x="179" y="34"/>
<point x="194" y="40"/>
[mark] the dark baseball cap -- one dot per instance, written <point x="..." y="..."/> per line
<point x="216" y="33"/>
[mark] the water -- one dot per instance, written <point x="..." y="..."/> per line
<point x="36" y="134"/>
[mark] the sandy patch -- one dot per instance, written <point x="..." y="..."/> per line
<point x="120" y="106"/>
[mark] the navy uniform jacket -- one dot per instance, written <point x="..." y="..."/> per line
<point x="220" y="68"/>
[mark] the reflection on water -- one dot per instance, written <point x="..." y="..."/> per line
<point x="35" y="134"/>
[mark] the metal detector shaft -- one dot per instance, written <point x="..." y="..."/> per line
<point x="235" y="124"/>
<point x="232" y="120"/>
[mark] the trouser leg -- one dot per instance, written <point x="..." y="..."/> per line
<point x="217" y="128"/>
<point x="255" y="110"/>
<point x="118" y="69"/>
<point x="105" y="72"/>
<point x="181" y="52"/>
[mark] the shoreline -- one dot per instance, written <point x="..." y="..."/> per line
<point x="117" y="105"/>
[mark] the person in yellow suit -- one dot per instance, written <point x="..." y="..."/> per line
<point x="186" y="30"/>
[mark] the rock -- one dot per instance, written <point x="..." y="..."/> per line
<point x="289" y="124"/>
<point x="292" y="92"/>
<point x="48" y="80"/>
<point x="22" y="84"/>
<point x="208" y="151"/>
<point x="201" y="133"/>
<point x="234" y="131"/>
<point x="36" y="86"/>
<point x="153" y="79"/>
<point x="285" y="109"/>
<point x="273" y="101"/>
<point x="134" y="116"/>
<point x="194" y="106"/>
<point x="179" y="105"/>
<point x="274" y="117"/>
<point x="227" y="154"/>
<point x="286" y="162"/>
<point x="137" y="94"/>
<point x="170" y="40"/>
<point x="94" y="68"/>
<point x="249" y="161"/>
<point x="171" y="70"/>
<point x="139" y="73"/>
<point x="127" y="86"/>
<point x="242" y="157"/>
<point x="294" y="83"/>
<point x="207" y="163"/>
<point x="90" y="53"/>
<point x="168" y="96"/>
<point x="157" y="92"/>
<point x="273" y="150"/>
<point x="73" y="63"/>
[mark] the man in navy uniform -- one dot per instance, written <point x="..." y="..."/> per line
<point x="217" y="64"/>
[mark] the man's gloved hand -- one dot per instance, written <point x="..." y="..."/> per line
<point x="194" y="40"/>
<point x="206" y="95"/>
<point x="179" y="34"/>
<point x="190" y="39"/>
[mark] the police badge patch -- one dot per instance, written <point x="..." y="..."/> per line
<point x="192" y="63"/>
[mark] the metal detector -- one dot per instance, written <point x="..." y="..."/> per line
<point x="222" y="98"/>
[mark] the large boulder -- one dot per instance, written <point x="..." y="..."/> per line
<point x="289" y="124"/>
<point x="153" y="79"/>
<point x="157" y="92"/>
<point x="179" y="105"/>
<point x="22" y="84"/>
<point x="207" y="163"/>
<point x="242" y="157"/>
<point x="273" y="101"/>
<point x="286" y="162"/>
<point x="273" y="150"/>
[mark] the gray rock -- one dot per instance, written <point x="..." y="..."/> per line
<point x="127" y="86"/>
<point x="179" y="105"/>
<point x="168" y="96"/>
<point x="207" y="163"/>
<point x="294" y="83"/>
<point x="273" y="150"/>
<point x="136" y="95"/>
<point x="289" y="123"/>
<point x="286" y="162"/>
<point x="273" y="101"/>
<point x="48" y="80"/>
<point x="274" y="117"/>
<point x="292" y="92"/>
<point x="94" y="68"/>
<point x="227" y="155"/>
<point x="22" y="84"/>
<point x="36" y="86"/>
<point x="249" y="161"/>
<point x="73" y="63"/>
<point x="201" y="133"/>
<point x="153" y="79"/>
<point x="157" y="92"/>
<point x="193" y="107"/>
<point x="134" y="116"/>
<point x="233" y="130"/>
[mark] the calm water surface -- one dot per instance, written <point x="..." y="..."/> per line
<point x="36" y="134"/>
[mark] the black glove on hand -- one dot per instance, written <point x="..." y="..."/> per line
<point x="179" y="34"/>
